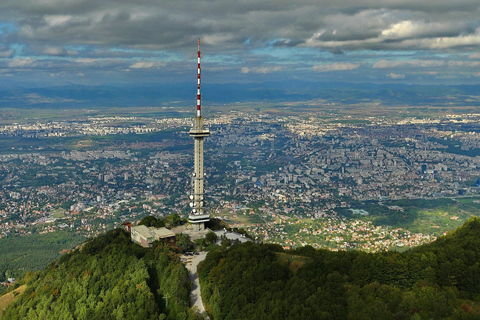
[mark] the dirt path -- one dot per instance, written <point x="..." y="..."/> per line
<point x="191" y="264"/>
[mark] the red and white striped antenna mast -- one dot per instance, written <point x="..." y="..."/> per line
<point x="199" y="96"/>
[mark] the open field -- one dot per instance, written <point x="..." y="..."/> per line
<point x="239" y="218"/>
<point x="27" y="115"/>
<point x="8" y="298"/>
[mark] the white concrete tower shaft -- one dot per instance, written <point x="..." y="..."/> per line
<point x="198" y="215"/>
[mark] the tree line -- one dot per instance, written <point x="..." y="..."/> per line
<point x="440" y="280"/>
<point x="108" y="277"/>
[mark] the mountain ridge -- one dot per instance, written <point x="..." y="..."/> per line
<point x="109" y="277"/>
<point x="76" y="96"/>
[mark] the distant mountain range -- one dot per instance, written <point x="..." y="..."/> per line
<point x="183" y="94"/>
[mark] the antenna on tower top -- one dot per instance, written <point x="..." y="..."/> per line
<point x="199" y="112"/>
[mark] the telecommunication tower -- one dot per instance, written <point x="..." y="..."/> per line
<point x="198" y="215"/>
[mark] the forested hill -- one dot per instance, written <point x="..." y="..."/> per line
<point x="109" y="278"/>
<point x="112" y="278"/>
<point x="260" y="281"/>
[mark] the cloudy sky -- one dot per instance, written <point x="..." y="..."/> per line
<point x="92" y="42"/>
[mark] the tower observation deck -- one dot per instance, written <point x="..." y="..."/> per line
<point x="198" y="215"/>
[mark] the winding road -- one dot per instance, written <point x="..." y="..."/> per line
<point x="195" y="297"/>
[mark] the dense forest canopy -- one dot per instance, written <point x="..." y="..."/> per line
<point x="260" y="281"/>
<point x="108" y="278"/>
<point x="20" y="254"/>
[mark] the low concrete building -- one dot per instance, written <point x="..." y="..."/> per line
<point x="142" y="236"/>
<point x="162" y="233"/>
<point x="146" y="236"/>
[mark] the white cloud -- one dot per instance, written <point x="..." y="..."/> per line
<point x="468" y="64"/>
<point x="261" y="70"/>
<point x="216" y="39"/>
<point x="87" y="60"/>
<point x="21" y="63"/>
<point x="54" y="51"/>
<point x="7" y="53"/>
<point x="474" y="56"/>
<point x="58" y="51"/>
<point x="265" y="37"/>
<point x="382" y="64"/>
<point x="447" y="42"/>
<point x="400" y="29"/>
<point x="337" y="24"/>
<point x="147" y="65"/>
<point x="57" y="20"/>
<point x="396" y="76"/>
<point x="336" y="67"/>
<point x="419" y="29"/>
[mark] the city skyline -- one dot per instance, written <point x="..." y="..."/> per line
<point x="90" y="43"/>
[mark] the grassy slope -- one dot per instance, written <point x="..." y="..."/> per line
<point x="8" y="298"/>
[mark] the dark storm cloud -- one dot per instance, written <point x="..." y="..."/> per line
<point x="152" y="24"/>
<point x="242" y="37"/>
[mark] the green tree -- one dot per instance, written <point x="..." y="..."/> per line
<point x="210" y="237"/>
<point x="109" y="278"/>
<point x="173" y="220"/>
<point x="151" y="221"/>
<point x="184" y="242"/>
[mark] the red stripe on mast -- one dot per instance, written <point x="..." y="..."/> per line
<point x="198" y="86"/>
